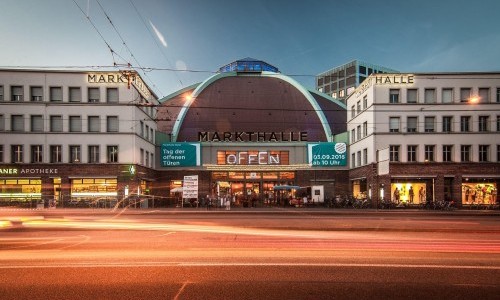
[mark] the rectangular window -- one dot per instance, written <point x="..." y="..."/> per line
<point x="447" y="124"/>
<point x="55" y="154"/>
<point x="112" y="154"/>
<point x="498" y="95"/>
<point x="429" y="153"/>
<point x="358" y="107"/>
<point x="142" y="156"/>
<point x="394" y="124"/>
<point x="498" y="153"/>
<point x="2" y="97"/>
<point x="17" y="123"/>
<point x="430" y="96"/>
<point x="75" y="123"/>
<point x="365" y="102"/>
<point x="151" y="160"/>
<point x="484" y="95"/>
<point x="447" y="95"/>
<point x="393" y="96"/>
<point x="56" y="94"/>
<point x="353" y="136"/>
<point x="147" y="132"/>
<point x="75" y="94"/>
<point x="429" y="124"/>
<point x="365" y="156"/>
<point x="94" y="95"/>
<point x="1" y="154"/>
<point x="483" y="123"/>
<point x="56" y="124"/>
<point x="465" y="94"/>
<point x="2" y="123"/>
<point x="147" y="158"/>
<point x="36" y="123"/>
<point x="353" y="112"/>
<point x="465" y="153"/>
<point x="483" y="153"/>
<point x="498" y="123"/>
<point x="412" y="153"/>
<point x="36" y="154"/>
<point x="112" y="95"/>
<point x="359" y="132"/>
<point x="394" y="153"/>
<point x="447" y="153"/>
<point x="16" y="152"/>
<point x="112" y="124"/>
<point x="17" y="93"/>
<point x="93" y="154"/>
<point x="75" y="154"/>
<point x="365" y="129"/>
<point x="411" y="96"/>
<point x="353" y="160"/>
<point x="36" y="93"/>
<point x="94" y="124"/>
<point x="465" y="124"/>
<point x="359" y="158"/>
<point x="141" y="128"/>
<point x="412" y="124"/>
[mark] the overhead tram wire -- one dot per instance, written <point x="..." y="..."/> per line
<point x="155" y="41"/>
<point x="126" y="46"/>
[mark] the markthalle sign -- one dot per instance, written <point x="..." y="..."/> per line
<point x="180" y="154"/>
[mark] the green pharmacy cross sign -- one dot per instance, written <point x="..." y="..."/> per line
<point x="180" y="154"/>
<point x="327" y="154"/>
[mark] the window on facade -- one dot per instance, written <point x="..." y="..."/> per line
<point x="498" y="123"/>
<point x="75" y="94"/>
<point x="112" y="124"/>
<point x="94" y="154"/>
<point x="55" y="153"/>
<point x="142" y="156"/>
<point x="393" y="96"/>
<point x="353" y="136"/>
<point x="429" y="124"/>
<point x="56" y="124"/>
<point x="36" y="123"/>
<point x="17" y="123"/>
<point x="2" y="97"/>
<point x="365" y="156"/>
<point x="112" y="95"/>
<point x="151" y="160"/>
<point x="112" y="154"/>
<point x="36" y="154"/>
<point x="447" y="124"/>
<point x="2" y="123"/>
<point x="359" y="158"/>
<point x="465" y="123"/>
<point x="36" y="93"/>
<point x="429" y="153"/>
<point x="1" y="154"/>
<point x="358" y="107"/>
<point x="94" y="124"/>
<point x="56" y="94"/>
<point x="447" y="153"/>
<point x="430" y="96"/>
<point x="17" y="93"/>
<point x="411" y="96"/>
<point x="394" y="124"/>
<point x="411" y="124"/>
<point x="447" y="95"/>
<point x="483" y="153"/>
<point x="75" y="124"/>
<point x="94" y="95"/>
<point x="498" y="153"/>
<point x="147" y="158"/>
<point x="483" y="123"/>
<point x="353" y="112"/>
<point x="353" y="160"/>
<point x="484" y="95"/>
<point x="394" y="153"/>
<point x="365" y="129"/>
<point x="412" y="153"/>
<point x="151" y="135"/>
<point x="465" y="153"/>
<point x="359" y="132"/>
<point x="498" y="95"/>
<point x="16" y="153"/>
<point x="141" y="128"/>
<point x="365" y="102"/>
<point x="465" y="94"/>
<point x="147" y="132"/>
<point x="75" y="154"/>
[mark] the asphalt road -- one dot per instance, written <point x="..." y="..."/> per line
<point x="296" y="254"/>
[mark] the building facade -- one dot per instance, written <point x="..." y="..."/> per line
<point x="75" y="138"/>
<point x="341" y="81"/>
<point x="432" y="137"/>
<point x="256" y="131"/>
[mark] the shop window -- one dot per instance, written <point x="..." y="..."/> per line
<point x="409" y="192"/>
<point x="236" y="175"/>
<point x="269" y="175"/>
<point x="287" y="175"/>
<point x="23" y="190"/>
<point x="93" y="187"/>
<point x="219" y="175"/>
<point x="479" y="191"/>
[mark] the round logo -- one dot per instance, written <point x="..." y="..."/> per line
<point x="340" y="148"/>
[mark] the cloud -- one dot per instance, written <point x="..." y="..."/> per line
<point x="159" y="35"/>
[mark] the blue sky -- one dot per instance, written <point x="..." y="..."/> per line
<point x="304" y="38"/>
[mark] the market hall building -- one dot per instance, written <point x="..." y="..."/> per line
<point x="249" y="129"/>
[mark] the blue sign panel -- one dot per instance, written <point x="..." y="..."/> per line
<point x="327" y="154"/>
<point x="180" y="154"/>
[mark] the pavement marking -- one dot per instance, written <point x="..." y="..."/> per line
<point x="181" y="290"/>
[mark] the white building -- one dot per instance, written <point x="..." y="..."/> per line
<point x="439" y="132"/>
<point x="66" y="133"/>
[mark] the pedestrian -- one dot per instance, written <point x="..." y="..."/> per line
<point x="228" y="203"/>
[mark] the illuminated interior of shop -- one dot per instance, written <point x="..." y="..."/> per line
<point x="21" y="189"/>
<point x="479" y="193"/>
<point x="94" y="187"/>
<point x="405" y="189"/>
